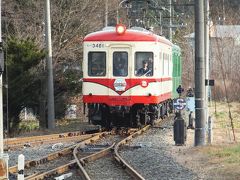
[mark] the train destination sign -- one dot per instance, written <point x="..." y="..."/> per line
<point x="179" y="104"/>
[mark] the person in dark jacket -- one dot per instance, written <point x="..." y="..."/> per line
<point x="180" y="90"/>
<point x="145" y="70"/>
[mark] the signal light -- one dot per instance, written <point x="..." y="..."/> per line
<point x="120" y="29"/>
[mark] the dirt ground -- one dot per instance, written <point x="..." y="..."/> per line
<point x="206" y="160"/>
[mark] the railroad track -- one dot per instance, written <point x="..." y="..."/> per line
<point x="13" y="143"/>
<point x="113" y="150"/>
<point x="74" y="158"/>
<point x="32" y="170"/>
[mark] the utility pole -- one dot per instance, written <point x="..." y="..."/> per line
<point x="160" y="22"/>
<point x="207" y="56"/>
<point x="199" y="74"/>
<point x="3" y="156"/>
<point x="1" y="82"/>
<point x="106" y="13"/>
<point x="1" y="112"/>
<point x="223" y="11"/>
<point x="170" y="20"/>
<point x="118" y="15"/>
<point x="50" y="104"/>
<point x="206" y="34"/>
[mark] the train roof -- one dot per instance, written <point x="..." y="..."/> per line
<point x="135" y="34"/>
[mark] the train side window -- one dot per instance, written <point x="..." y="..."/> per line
<point x="163" y="64"/>
<point x="143" y="64"/>
<point x="120" y="63"/>
<point x="160" y="61"/>
<point x="97" y="64"/>
<point x="168" y="64"/>
<point x="165" y="61"/>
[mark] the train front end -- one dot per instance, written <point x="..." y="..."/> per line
<point x="115" y="90"/>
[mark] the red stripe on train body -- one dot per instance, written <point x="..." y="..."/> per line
<point x="126" y="100"/>
<point x="129" y="82"/>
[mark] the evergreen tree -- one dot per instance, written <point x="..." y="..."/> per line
<point x="23" y="59"/>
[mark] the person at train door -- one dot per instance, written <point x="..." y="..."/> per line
<point x="97" y="70"/>
<point x="120" y="68"/>
<point x="145" y="70"/>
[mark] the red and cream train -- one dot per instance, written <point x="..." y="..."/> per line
<point x="113" y="89"/>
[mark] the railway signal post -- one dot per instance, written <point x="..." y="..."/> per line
<point x="179" y="104"/>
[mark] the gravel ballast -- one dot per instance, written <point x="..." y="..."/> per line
<point x="153" y="159"/>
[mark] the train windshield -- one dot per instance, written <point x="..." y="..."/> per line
<point x="143" y="64"/>
<point x="96" y="64"/>
<point x="120" y="63"/>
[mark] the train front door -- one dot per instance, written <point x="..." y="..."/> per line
<point x="120" y="61"/>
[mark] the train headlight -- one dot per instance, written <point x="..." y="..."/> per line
<point x="120" y="29"/>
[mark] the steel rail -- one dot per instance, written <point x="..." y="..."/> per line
<point x="132" y="172"/>
<point x="9" y="142"/>
<point x="59" y="170"/>
<point x="35" y="143"/>
<point x="102" y="153"/>
<point x="81" y="162"/>
<point x="97" y="155"/>
<point x="66" y="167"/>
<point x="44" y="159"/>
<point x="51" y="156"/>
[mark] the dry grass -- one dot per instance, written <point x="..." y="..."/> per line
<point x="220" y="112"/>
<point x="225" y="153"/>
<point x="222" y="122"/>
<point x="221" y="160"/>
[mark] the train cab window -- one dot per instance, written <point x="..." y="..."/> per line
<point x="143" y="64"/>
<point x="120" y="64"/>
<point x="165" y="64"/>
<point x="96" y="64"/>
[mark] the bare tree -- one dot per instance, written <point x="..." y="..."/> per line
<point x="71" y="21"/>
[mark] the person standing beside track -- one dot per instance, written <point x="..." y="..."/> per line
<point x="180" y="90"/>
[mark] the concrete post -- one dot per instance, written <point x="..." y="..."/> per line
<point x="199" y="75"/>
<point x="206" y="28"/>
<point x="50" y="103"/>
<point x="210" y="132"/>
<point x="21" y="164"/>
